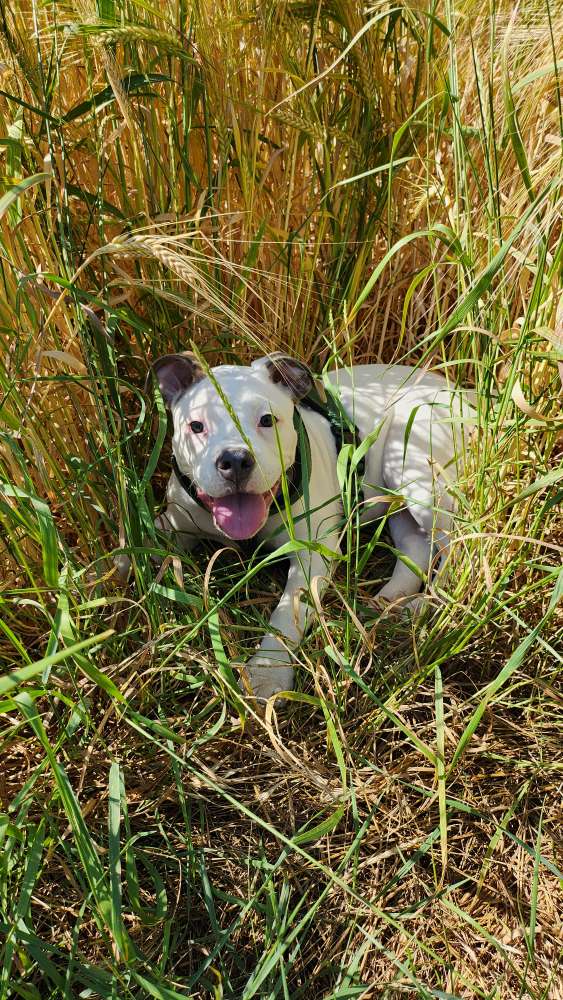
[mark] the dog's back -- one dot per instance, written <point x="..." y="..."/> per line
<point x="418" y="420"/>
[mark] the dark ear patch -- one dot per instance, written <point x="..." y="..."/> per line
<point x="293" y="374"/>
<point x="175" y="373"/>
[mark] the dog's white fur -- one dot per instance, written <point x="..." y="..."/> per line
<point x="413" y="456"/>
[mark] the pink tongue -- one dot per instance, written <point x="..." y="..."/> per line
<point x="240" y="515"/>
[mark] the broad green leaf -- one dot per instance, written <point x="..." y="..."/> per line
<point x="47" y="530"/>
<point x="17" y="190"/>
<point x="10" y="681"/>
<point x="131" y="84"/>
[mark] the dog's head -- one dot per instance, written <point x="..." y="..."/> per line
<point x="234" y="432"/>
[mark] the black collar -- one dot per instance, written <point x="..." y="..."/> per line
<point x="186" y="483"/>
<point x="344" y="431"/>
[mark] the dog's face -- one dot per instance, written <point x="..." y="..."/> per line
<point x="234" y="433"/>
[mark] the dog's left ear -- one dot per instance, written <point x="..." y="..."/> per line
<point x="287" y="371"/>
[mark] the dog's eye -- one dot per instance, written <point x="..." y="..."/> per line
<point x="196" y="426"/>
<point x="268" y="420"/>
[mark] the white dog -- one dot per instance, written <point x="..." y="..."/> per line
<point x="250" y="442"/>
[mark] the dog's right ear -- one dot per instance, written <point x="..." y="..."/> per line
<point x="175" y="373"/>
<point x="287" y="371"/>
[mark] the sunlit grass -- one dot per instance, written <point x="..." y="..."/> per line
<point x="346" y="185"/>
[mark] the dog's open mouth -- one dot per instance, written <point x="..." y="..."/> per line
<point x="240" y="515"/>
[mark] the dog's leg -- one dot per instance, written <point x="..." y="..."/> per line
<point x="270" y="670"/>
<point x="172" y="522"/>
<point x="410" y="539"/>
<point x="169" y="523"/>
<point x="419" y="465"/>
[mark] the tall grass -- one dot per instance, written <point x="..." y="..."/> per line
<point x="347" y="183"/>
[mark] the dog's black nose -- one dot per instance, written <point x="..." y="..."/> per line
<point x="235" y="465"/>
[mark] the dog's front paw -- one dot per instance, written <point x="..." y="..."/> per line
<point x="268" y="673"/>
<point x="396" y="603"/>
<point x="122" y="564"/>
<point x="267" y="679"/>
